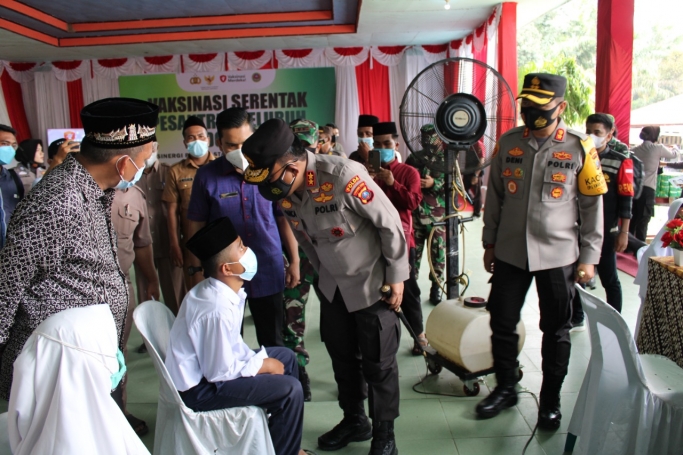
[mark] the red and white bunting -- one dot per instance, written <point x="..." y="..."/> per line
<point x="203" y="63"/>
<point x="70" y="71"/>
<point x="388" y="55"/>
<point x="300" y="58"/>
<point x="162" y="64"/>
<point x="249" y="60"/>
<point x="21" y="72"/>
<point x="347" y="56"/>
<point x="112" y="68"/>
<point x="434" y="53"/>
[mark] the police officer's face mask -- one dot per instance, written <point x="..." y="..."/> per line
<point x="280" y="188"/>
<point x="537" y="119"/>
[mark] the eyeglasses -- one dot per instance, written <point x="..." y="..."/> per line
<point x="322" y="141"/>
<point x="14" y="145"/>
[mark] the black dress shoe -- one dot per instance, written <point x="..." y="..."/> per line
<point x="503" y="396"/>
<point x="435" y="294"/>
<point x="383" y="440"/>
<point x="305" y="383"/>
<point x="549" y="416"/>
<point x="353" y="428"/>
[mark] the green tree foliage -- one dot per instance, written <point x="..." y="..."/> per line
<point x="579" y="87"/>
<point x="570" y="33"/>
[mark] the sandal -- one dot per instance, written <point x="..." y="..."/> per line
<point x="418" y="348"/>
<point x="139" y="426"/>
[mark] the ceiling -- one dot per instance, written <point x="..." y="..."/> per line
<point x="46" y="30"/>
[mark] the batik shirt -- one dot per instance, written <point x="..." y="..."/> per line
<point x="60" y="254"/>
<point x="433" y="206"/>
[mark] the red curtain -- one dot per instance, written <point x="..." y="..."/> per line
<point x="507" y="55"/>
<point x="614" y="62"/>
<point x="373" y="90"/>
<point x="15" y="106"/>
<point x="75" y="94"/>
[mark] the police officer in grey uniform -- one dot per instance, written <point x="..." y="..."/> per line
<point x="353" y="236"/>
<point x="543" y="220"/>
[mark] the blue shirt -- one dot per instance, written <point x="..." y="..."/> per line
<point x="10" y="199"/>
<point x="218" y="190"/>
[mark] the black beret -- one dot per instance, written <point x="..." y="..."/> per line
<point x="367" y="120"/>
<point x="54" y="147"/>
<point x="193" y="120"/>
<point x="212" y="239"/>
<point x="120" y="123"/>
<point x="540" y="88"/>
<point x="384" y="128"/>
<point x="263" y="148"/>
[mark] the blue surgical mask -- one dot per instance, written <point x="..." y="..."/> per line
<point x="387" y="155"/>
<point x="7" y="153"/>
<point x="198" y="148"/>
<point x="118" y="376"/>
<point x="367" y="140"/>
<point x="124" y="184"/>
<point x="250" y="264"/>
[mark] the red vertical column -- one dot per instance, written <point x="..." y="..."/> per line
<point x="507" y="56"/>
<point x="614" y="69"/>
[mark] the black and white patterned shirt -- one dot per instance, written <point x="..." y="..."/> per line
<point x="60" y="253"/>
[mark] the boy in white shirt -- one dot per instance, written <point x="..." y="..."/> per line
<point x="210" y="364"/>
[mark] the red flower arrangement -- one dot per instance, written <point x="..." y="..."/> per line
<point x="673" y="237"/>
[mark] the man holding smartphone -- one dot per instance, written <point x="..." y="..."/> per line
<point x="401" y="183"/>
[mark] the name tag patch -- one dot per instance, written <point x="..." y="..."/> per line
<point x="326" y="209"/>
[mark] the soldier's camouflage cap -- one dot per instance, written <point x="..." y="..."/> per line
<point x="305" y="130"/>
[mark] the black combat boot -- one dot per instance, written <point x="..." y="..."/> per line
<point x="435" y="294"/>
<point x="549" y="415"/>
<point x="305" y="383"/>
<point x="383" y="440"/>
<point x="503" y="396"/>
<point x="353" y="428"/>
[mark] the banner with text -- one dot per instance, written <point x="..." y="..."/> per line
<point x="288" y="94"/>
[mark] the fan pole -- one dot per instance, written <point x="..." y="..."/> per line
<point x="452" y="249"/>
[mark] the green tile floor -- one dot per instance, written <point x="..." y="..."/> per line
<point x="428" y="424"/>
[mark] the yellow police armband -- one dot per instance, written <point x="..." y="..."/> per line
<point x="591" y="180"/>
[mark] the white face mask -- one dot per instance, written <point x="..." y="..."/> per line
<point x="237" y="159"/>
<point x="598" y="141"/>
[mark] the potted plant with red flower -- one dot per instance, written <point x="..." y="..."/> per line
<point x="673" y="237"/>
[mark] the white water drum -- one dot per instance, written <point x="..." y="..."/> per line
<point x="463" y="335"/>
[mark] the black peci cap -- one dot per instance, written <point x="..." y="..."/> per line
<point x="54" y="148"/>
<point x="367" y="120"/>
<point x="264" y="147"/>
<point x="383" y="128"/>
<point x="119" y="123"/>
<point x="193" y="120"/>
<point x="212" y="238"/>
<point x="540" y="88"/>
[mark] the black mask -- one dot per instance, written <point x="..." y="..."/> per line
<point x="537" y="119"/>
<point x="279" y="189"/>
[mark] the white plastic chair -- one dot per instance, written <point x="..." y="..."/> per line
<point x="180" y="430"/>
<point x="629" y="404"/>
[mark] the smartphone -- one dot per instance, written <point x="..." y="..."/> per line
<point x="373" y="160"/>
<point x="75" y="149"/>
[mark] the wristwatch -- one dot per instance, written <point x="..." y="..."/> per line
<point x="488" y="246"/>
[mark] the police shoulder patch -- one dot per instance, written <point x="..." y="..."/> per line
<point x="351" y="183"/>
<point x="363" y="193"/>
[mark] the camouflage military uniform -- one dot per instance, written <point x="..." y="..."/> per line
<point x="431" y="210"/>
<point x="295" y="310"/>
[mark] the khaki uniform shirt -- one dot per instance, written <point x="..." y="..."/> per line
<point x="152" y="185"/>
<point x="178" y="188"/>
<point x="534" y="211"/>
<point x="131" y="224"/>
<point x="349" y="230"/>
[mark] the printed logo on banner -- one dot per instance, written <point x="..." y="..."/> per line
<point x="286" y="94"/>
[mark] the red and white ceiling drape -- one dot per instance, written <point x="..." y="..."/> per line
<point x="370" y="80"/>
